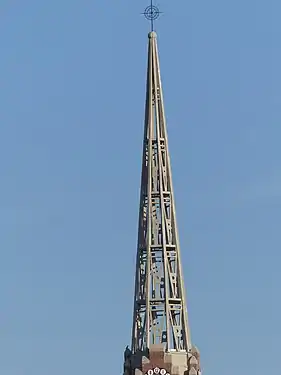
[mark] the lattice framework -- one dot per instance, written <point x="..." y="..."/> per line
<point x="160" y="313"/>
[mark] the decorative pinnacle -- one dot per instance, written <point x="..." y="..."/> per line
<point x="151" y="13"/>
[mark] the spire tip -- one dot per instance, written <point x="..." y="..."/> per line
<point x="152" y="34"/>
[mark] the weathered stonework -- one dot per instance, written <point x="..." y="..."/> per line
<point x="174" y="363"/>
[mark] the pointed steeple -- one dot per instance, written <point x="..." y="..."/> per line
<point x="160" y="334"/>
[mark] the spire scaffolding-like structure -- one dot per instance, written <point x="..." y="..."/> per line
<point x="161" y="342"/>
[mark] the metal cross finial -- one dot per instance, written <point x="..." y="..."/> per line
<point x="151" y="13"/>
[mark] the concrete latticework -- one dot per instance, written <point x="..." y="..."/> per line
<point x="161" y="341"/>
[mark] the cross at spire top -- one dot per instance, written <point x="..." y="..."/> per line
<point x="151" y="13"/>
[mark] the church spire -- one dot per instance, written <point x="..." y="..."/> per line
<point x="160" y="314"/>
<point x="160" y="334"/>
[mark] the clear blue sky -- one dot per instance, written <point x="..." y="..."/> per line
<point x="72" y="78"/>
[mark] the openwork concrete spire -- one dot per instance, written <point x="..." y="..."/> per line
<point x="160" y="334"/>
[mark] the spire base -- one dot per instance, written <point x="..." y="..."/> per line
<point x="158" y="362"/>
